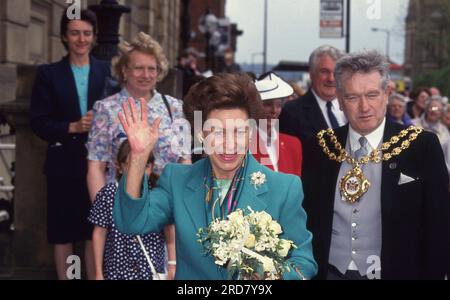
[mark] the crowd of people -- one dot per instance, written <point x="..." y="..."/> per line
<point x="356" y="173"/>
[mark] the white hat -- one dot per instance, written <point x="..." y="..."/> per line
<point x="270" y="86"/>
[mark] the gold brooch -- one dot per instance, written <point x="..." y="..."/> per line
<point x="353" y="185"/>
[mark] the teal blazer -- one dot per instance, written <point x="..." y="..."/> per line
<point x="179" y="198"/>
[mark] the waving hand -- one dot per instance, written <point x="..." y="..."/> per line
<point x="142" y="136"/>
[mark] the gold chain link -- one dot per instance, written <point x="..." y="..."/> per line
<point x="342" y="155"/>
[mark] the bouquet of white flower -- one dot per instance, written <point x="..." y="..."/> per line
<point x="249" y="246"/>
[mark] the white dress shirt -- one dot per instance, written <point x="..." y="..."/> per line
<point x="272" y="149"/>
<point x="340" y="117"/>
<point x="374" y="138"/>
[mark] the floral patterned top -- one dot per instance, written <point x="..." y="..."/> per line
<point x="107" y="133"/>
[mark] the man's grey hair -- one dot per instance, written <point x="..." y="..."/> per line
<point x="397" y="96"/>
<point x="331" y="51"/>
<point x="361" y="62"/>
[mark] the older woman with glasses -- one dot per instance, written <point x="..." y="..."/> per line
<point x="140" y="66"/>
<point x="212" y="188"/>
<point x="431" y="119"/>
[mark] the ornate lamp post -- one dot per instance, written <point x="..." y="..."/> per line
<point x="185" y="25"/>
<point x="208" y="25"/>
<point x="108" y="14"/>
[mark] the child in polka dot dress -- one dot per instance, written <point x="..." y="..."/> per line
<point x="119" y="256"/>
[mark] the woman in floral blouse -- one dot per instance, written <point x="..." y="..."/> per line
<point x="139" y="67"/>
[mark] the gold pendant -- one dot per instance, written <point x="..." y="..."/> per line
<point x="353" y="185"/>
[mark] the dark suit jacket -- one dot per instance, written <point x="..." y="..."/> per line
<point x="302" y="117"/>
<point x="415" y="215"/>
<point x="55" y="104"/>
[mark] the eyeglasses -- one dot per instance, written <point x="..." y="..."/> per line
<point x="139" y="70"/>
<point x="436" y="108"/>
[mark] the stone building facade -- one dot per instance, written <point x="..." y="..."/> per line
<point x="29" y="29"/>
<point x="427" y="31"/>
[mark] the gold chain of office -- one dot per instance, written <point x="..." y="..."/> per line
<point x="354" y="184"/>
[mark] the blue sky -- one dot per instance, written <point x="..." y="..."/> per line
<point x="293" y="28"/>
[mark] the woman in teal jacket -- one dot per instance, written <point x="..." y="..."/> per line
<point x="190" y="196"/>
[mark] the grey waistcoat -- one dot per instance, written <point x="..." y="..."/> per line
<point x="356" y="233"/>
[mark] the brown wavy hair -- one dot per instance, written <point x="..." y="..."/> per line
<point x="122" y="156"/>
<point x="417" y="91"/>
<point x="224" y="91"/>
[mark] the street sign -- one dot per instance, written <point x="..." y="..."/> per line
<point x="331" y="18"/>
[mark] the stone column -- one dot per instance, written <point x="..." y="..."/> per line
<point x="29" y="254"/>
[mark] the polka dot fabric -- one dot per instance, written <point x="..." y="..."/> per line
<point x="123" y="258"/>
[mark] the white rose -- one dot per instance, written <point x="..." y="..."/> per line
<point x="250" y="242"/>
<point x="275" y="227"/>
<point x="268" y="265"/>
<point x="265" y="218"/>
<point x="260" y="247"/>
<point x="285" y="247"/>
<point x="220" y="262"/>
<point x="235" y="216"/>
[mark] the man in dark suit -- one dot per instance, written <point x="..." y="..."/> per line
<point x="396" y="228"/>
<point x="318" y="108"/>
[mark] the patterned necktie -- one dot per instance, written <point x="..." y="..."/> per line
<point x="361" y="152"/>
<point x="333" y="121"/>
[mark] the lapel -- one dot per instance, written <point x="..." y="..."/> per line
<point x="253" y="196"/>
<point x="314" y="113"/>
<point x="389" y="174"/>
<point x="194" y="198"/>
<point x="70" y="89"/>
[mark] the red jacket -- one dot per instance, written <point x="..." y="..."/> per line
<point x="289" y="156"/>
